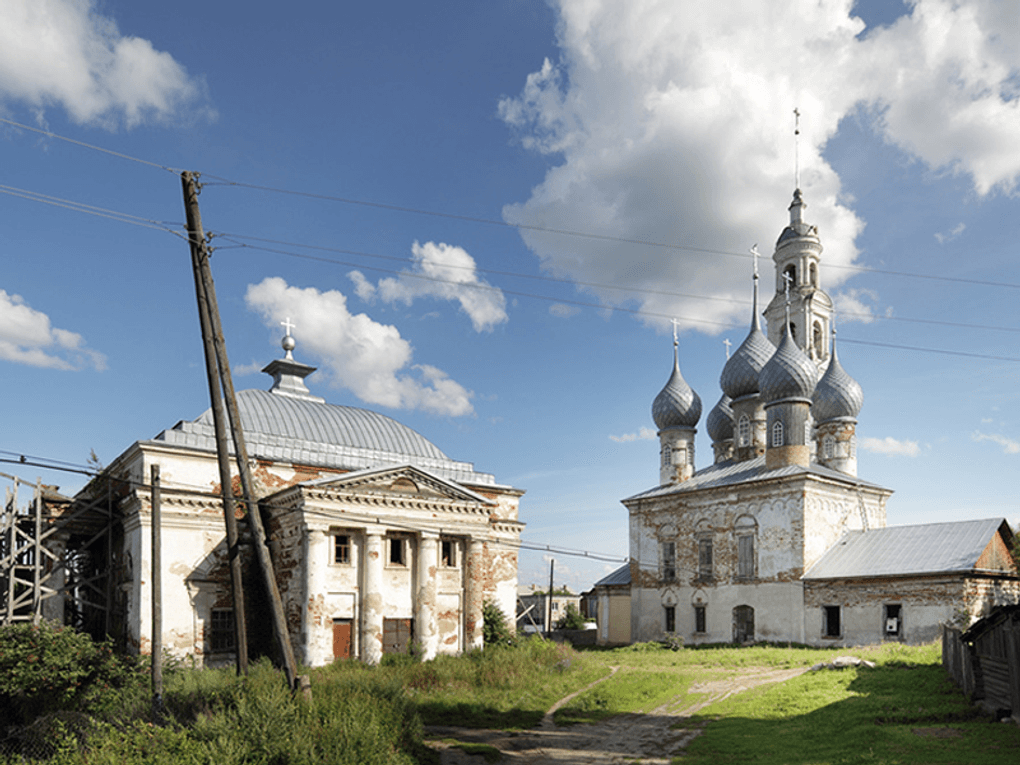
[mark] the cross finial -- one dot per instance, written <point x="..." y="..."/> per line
<point x="756" y="254"/>
<point x="288" y="341"/>
<point x="727" y="343"/>
<point x="675" y="323"/>
<point x="288" y="325"/>
<point x="796" y="147"/>
<point x="788" y="278"/>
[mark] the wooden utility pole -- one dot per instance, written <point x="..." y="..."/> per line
<point x="548" y="622"/>
<point x="212" y="333"/>
<point x="157" y="594"/>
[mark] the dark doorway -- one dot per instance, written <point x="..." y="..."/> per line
<point x="397" y="634"/>
<point x="743" y="624"/>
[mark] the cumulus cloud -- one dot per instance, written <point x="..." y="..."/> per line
<point x="440" y="271"/>
<point x="855" y="305"/>
<point x="66" y="53"/>
<point x="370" y="359"/>
<point x="948" y="236"/>
<point x="643" y="434"/>
<point x="563" y="311"/>
<point x="672" y="123"/>
<point x="891" y="446"/>
<point x="1009" y="445"/>
<point x="27" y="337"/>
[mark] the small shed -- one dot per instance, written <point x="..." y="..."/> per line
<point x="994" y="646"/>
<point x="613" y="596"/>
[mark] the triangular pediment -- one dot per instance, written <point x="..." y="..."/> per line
<point x="399" y="481"/>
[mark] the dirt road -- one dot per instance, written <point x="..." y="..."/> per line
<point x="649" y="739"/>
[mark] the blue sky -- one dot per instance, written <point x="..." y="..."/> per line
<point x="537" y="354"/>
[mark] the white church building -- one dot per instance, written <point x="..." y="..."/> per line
<point x="778" y="539"/>
<point x="378" y="539"/>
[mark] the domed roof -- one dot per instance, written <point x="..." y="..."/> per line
<point x="677" y="405"/>
<point x="837" y="393"/>
<point x="740" y="374"/>
<point x="720" y="420"/>
<point x="788" y="374"/>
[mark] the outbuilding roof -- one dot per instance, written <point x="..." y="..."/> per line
<point x="930" y="548"/>
<point x="620" y="577"/>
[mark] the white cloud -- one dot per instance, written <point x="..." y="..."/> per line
<point x="672" y="122"/>
<point x="445" y="272"/>
<point x="27" y="337"/>
<point x="370" y="359"/>
<point x="891" y="446"/>
<point x="563" y="311"/>
<point x="851" y="306"/>
<point x="950" y="235"/>
<point x="643" y="434"/>
<point x="1009" y="446"/>
<point x="64" y="52"/>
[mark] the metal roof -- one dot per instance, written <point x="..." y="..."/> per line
<point x="310" y="432"/>
<point x="929" y="548"/>
<point x="732" y="473"/>
<point x="618" y="578"/>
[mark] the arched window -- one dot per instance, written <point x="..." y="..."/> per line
<point x="814" y="275"/>
<point x="744" y="430"/>
<point x="777" y="434"/>
<point x="667" y="455"/>
<point x="829" y="447"/>
<point x="817" y="340"/>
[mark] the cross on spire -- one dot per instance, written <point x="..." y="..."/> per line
<point x="288" y="325"/>
<point x="756" y="254"/>
<point x="676" y="342"/>
<point x="796" y="147"/>
<point x="727" y="343"/>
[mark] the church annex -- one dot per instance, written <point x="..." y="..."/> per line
<point x="379" y="540"/>
<point x="779" y="539"/>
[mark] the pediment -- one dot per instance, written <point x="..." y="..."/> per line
<point x="404" y="481"/>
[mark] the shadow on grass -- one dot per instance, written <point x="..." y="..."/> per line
<point x="897" y="712"/>
<point x="476" y="715"/>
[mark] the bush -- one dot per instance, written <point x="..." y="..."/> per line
<point x="571" y="619"/>
<point x="495" y="630"/>
<point x="50" y="668"/>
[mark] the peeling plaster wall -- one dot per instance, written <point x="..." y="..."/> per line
<point x="792" y="522"/>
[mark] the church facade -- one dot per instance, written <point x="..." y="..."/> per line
<point x="378" y="539"/>
<point x="753" y="546"/>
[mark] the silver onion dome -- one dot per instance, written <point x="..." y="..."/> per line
<point x="740" y="375"/>
<point x="677" y="405"/>
<point x="837" y="393"/>
<point x="788" y="374"/>
<point x="720" y="420"/>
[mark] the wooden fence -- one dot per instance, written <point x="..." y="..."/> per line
<point x="984" y="661"/>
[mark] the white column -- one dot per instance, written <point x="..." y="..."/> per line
<point x="474" y="594"/>
<point x="425" y="627"/>
<point x="372" y="600"/>
<point x="317" y="626"/>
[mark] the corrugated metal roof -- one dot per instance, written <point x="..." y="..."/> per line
<point x="896" y="550"/>
<point x="314" y="433"/>
<point x="731" y="473"/>
<point x="619" y="577"/>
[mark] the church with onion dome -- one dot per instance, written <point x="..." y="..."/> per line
<point x="779" y="539"/>
<point x="379" y="540"/>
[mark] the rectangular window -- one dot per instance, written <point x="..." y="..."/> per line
<point x="893" y="626"/>
<point x="668" y="561"/>
<point x="342" y="548"/>
<point x="397" y="554"/>
<point x="831" y="626"/>
<point x="745" y="556"/>
<point x="221" y="630"/>
<point x="448" y="553"/>
<point x="699" y="619"/>
<point x="705" y="558"/>
<point x="670" y="618"/>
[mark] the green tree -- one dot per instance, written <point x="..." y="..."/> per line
<point x="571" y="619"/>
<point x="495" y="630"/>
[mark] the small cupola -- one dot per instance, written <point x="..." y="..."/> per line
<point x="836" y="402"/>
<point x="289" y="375"/>
<point x="720" y="428"/>
<point x="787" y="383"/>
<point x="676" y="411"/>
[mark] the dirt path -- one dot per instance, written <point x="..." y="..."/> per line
<point x="649" y="739"/>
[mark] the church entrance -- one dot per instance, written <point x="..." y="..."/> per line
<point x="341" y="638"/>
<point x="743" y="624"/>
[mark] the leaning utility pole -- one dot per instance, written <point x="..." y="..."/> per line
<point x="212" y="333"/>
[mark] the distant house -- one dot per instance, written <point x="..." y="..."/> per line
<point x="533" y="606"/>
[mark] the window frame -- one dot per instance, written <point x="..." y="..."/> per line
<point x="667" y="554"/>
<point x="397" y="543"/>
<point x="700" y="620"/>
<point x="778" y="434"/>
<point x="828" y="612"/>
<point x="448" y="557"/>
<point x="746" y="559"/>
<point x="221" y="635"/>
<point x="744" y="430"/>
<point x="669" y="615"/>
<point x="892" y="611"/>
<point x="706" y="562"/>
<point x="347" y="548"/>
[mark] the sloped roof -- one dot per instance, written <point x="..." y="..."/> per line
<point x="731" y="473"/>
<point x="618" y="578"/>
<point x="929" y="548"/>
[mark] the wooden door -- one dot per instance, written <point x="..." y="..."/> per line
<point x="397" y="635"/>
<point x="341" y="638"/>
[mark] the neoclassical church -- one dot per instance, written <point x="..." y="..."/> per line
<point x="378" y="538"/>
<point x="779" y="539"/>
